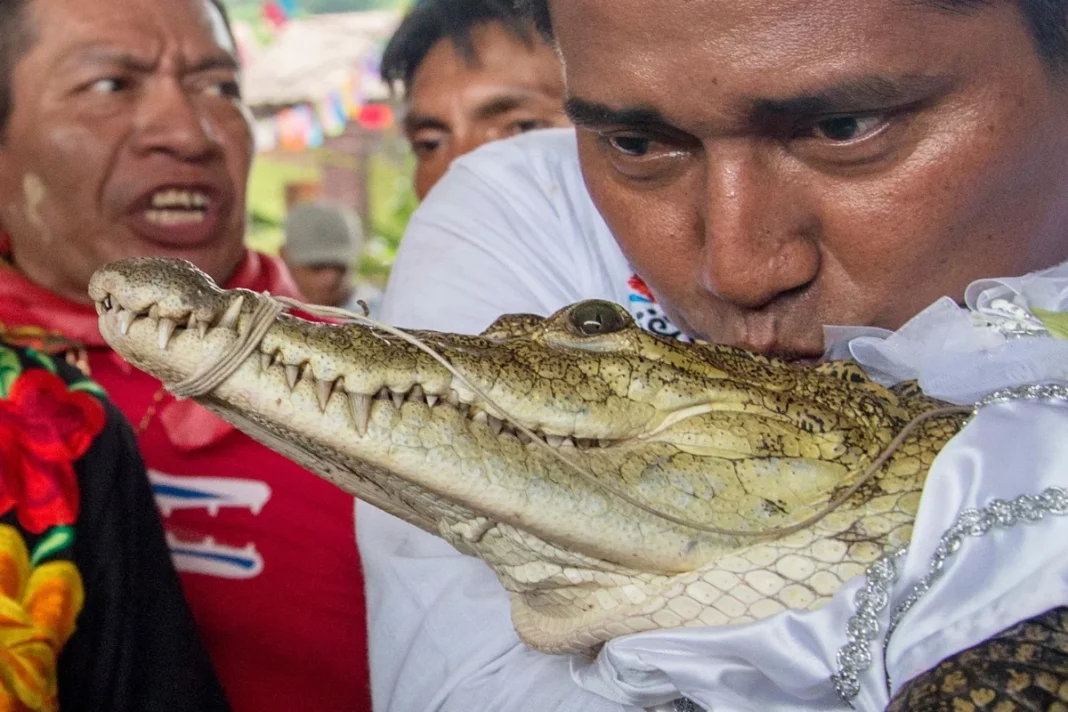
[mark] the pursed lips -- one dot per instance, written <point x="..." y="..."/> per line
<point x="772" y="344"/>
<point x="771" y="330"/>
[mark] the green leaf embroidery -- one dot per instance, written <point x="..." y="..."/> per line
<point x="57" y="539"/>
<point x="89" y="387"/>
<point x="43" y="360"/>
<point x="10" y="369"/>
<point x="1056" y="322"/>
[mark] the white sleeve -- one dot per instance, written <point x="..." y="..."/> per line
<point x="441" y="636"/>
<point x="1009" y="570"/>
<point x="502" y="233"/>
<point x="439" y="623"/>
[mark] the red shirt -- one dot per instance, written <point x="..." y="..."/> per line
<point x="266" y="550"/>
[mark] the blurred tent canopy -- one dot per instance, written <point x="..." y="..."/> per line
<point x="313" y="56"/>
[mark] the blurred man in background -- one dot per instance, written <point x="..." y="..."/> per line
<point x="472" y="71"/>
<point x="123" y="133"/>
<point x="323" y="244"/>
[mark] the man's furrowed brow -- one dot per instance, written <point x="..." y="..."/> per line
<point x="858" y="94"/>
<point x="124" y="59"/>
<point x="591" y="113"/>
<point x="111" y="56"/>
<point x="216" y="61"/>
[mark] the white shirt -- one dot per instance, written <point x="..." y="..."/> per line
<point x="511" y="229"/>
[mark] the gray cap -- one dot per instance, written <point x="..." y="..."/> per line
<point x="319" y="234"/>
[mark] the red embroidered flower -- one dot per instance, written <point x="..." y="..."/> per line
<point x="44" y="428"/>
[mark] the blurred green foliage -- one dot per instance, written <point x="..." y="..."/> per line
<point x="390" y="195"/>
<point x="392" y="202"/>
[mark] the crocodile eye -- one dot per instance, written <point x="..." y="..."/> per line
<point x="594" y="318"/>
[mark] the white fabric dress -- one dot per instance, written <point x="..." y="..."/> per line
<point x="511" y="229"/>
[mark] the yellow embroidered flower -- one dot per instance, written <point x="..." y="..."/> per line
<point x="38" y="608"/>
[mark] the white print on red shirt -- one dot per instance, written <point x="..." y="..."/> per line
<point x="206" y="556"/>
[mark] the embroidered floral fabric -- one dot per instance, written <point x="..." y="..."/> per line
<point x="45" y="425"/>
<point x="242" y="521"/>
<point x="69" y="548"/>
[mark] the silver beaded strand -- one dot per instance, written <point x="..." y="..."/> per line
<point x="855" y="656"/>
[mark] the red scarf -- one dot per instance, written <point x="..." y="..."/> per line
<point x="30" y="315"/>
<point x="25" y="304"/>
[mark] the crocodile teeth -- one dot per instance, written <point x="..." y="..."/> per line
<point x="495" y="424"/>
<point x="481" y="417"/>
<point x="416" y="394"/>
<point x="453" y="399"/>
<point x="322" y="392"/>
<point x="229" y="318"/>
<point x="153" y="312"/>
<point x="292" y="375"/>
<point x="360" y="407"/>
<point x="200" y="326"/>
<point x="126" y="318"/>
<point x="554" y="440"/>
<point x="398" y="399"/>
<point x="523" y="437"/>
<point x="265" y="361"/>
<point x="166" y="330"/>
<point x="431" y="400"/>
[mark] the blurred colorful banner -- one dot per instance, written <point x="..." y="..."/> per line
<point x="304" y="126"/>
<point x="274" y="14"/>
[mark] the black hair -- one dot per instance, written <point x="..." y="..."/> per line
<point x="538" y="12"/>
<point x="434" y="20"/>
<point x="17" y="36"/>
<point x="1047" y="20"/>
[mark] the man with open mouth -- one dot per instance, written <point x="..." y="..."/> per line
<point x="123" y="133"/>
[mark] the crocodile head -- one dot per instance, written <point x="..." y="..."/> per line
<point x="732" y="441"/>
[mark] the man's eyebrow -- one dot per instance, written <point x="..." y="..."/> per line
<point x="592" y="113"/>
<point x="223" y="60"/>
<point x="111" y="56"/>
<point x="857" y="94"/>
<point x="499" y="105"/>
<point x="416" y="122"/>
<point x="138" y="63"/>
